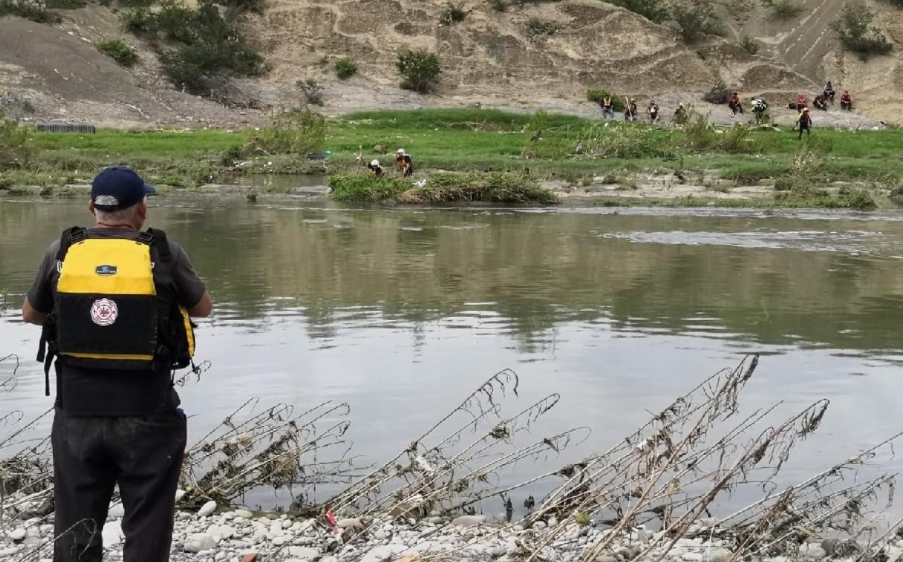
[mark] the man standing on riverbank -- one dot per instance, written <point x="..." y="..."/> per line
<point x="107" y="294"/>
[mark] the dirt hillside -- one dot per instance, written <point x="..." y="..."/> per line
<point x="487" y="60"/>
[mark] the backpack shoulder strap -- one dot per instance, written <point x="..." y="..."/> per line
<point x="68" y="237"/>
<point x="160" y="243"/>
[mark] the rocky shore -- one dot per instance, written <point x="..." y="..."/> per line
<point x="238" y="535"/>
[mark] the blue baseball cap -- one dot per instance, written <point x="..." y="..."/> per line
<point x="118" y="187"/>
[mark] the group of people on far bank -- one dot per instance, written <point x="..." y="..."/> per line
<point x="759" y="107"/>
<point x="402" y="160"/>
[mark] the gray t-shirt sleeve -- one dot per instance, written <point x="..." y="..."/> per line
<point x="188" y="285"/>
<point x="40" y="295"/>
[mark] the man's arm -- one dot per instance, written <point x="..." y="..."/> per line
<point x="32" y="316"/>
<point x="203" y="308"/>
<point x="189" y="286"/>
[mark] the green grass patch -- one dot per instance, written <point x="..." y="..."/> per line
<point x="442" y="188"/>
<point x="119" y="51"/>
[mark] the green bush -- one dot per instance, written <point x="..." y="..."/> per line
<point x="420" y="70"/>
<point x="452" y="14"/>
<point x="15" y="143"/>
<point x="621" y="140"/>
<point x="65" y="4"/>
<point x="294" y="132"/>
<point x="311" y="90"/>
<point x="537" y="28"/>
<point x="783" y="9"/>
<point x="502" y="5"/>
<point x="718" y="94"/>
<point x="205" y="49"/>
<point x="243" y="5"/>
<point x="653" y="10"/>
<point x="117" y="50"/>
<point x="139" y="20"/>
<point x="445" y="187"/>
<point x="696" y="20"/>
<point x="345" y="68"/>
<point x="136" y="3"/>
<point x="857" y="34"/>
<point x="596" y="95"/>
<point x="749" y="45"/>
<point x="34" y="10"/>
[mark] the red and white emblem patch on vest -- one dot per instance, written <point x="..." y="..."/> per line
<point x="104" y="312"/>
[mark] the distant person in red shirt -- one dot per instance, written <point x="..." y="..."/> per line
<point x="846" y="101"/>
<point x="733" y="102"/>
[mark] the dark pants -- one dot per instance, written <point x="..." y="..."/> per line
<point x="90" y="455"/>
<point x="804" y="128"/>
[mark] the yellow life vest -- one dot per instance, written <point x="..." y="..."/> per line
<point x="116" y="306"/>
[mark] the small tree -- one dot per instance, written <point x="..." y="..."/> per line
<point x="345" y="68"/>
<point x="696" y="20"/>
<point x="311" y="90"/>
<point x="15" y="143"/>
<point x="537" y="28"/>
<point x="294" y="132"/>
<point x="420" y="70"/>
<point x="718" y="94"/>
<point x="857" y="34"/>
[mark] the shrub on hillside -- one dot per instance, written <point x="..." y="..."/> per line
<point x="117" y="50"/>
<point x="653" y="10"/>
<point x="294" y="132"/>
<point x="498" y="5"/>
<point x="136" y="3"/>
<point x="311" y="91"/>
<point x="596" y="95"/>
<point x="243" y="5"/>
<point x="857" y="34"/>
<point x="34" y="10"/>
<point x="537" y="28"/>
<point x="749" y="45"/>
<point x="452" y="14"/>
<point x="420" y="70"/>
<point x="696" y="20"/>
<point x="345" y="68"/>
<point x="205" y="49"/>
<point x="65" y="4"/>
<point x="783" y="9"/>
<point x="718" y="94"/>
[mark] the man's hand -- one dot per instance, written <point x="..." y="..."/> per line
<point x="32" y="316"/>
<point x="201" y="310"/>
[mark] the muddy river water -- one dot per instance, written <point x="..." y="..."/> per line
<point x="402" y="312"/>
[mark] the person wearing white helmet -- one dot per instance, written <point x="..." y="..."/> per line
<point x="375" y="169"/>
<point x="403" y="160"/>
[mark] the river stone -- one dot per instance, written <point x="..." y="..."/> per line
<point x="33" y="541"/>
<point x="381" y="553"/>
<point x="813" y="551"/>
<point x="199" y="542"/>
<point x="180" y="494"/>
<point x="691" y="557"/>
<point x="207" y="509"/>
<point x="303" y="552"/>
<point x="112" y="533"/>
<point x="8" y="552"/>
<point x="606" y="558"/>
<point x="279" y="541"/>
<point x="350" y="523"/>
<point x="468" y="520"/>
<point x="18" y="534"/>
<point x="243" y="513"/>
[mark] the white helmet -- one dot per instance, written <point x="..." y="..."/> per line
<point x="399" y="151"/>
<point x="374" y="163"/>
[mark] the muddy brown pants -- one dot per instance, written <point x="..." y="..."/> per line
<point x="90" y="455"/>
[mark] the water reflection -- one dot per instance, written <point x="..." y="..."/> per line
<point x="403" y="312"/>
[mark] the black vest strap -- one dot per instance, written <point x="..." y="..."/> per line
<point x="70" y="236"/>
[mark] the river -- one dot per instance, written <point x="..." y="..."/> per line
<point x="402" y="312"/>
